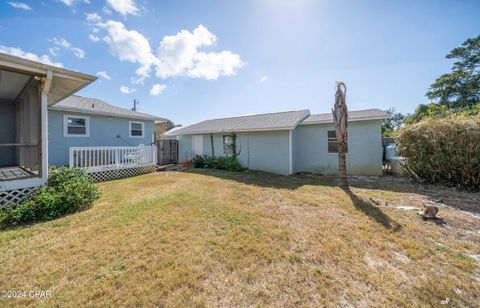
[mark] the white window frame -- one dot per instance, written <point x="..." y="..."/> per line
<point x="65" y="125"/>
<point x="329" y="140"/>
<point x="130" y="129"/>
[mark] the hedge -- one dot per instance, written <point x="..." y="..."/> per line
<point x="445" y="151"/>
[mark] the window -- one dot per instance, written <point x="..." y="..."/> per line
<point x="75" y="126"/>
<point x="333" y="142"/>
<point x="227" y="145"/>
<point x="136" y="129"/>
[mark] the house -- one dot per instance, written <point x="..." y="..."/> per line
<point x="27" y="88"/>
<point x="43" y="124"/>
<point x="89" y="122"/>
<point x="289" y="142"/>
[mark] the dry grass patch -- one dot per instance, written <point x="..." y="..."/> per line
<point x="212" y="238"/>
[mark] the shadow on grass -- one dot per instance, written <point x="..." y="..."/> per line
<point x="269" y="180"/>
<point x="372" y="211"/>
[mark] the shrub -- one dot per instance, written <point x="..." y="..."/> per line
<point x="198" y="161"/>
<point x="443" y="151"/>
<point x="229" y="163"/>
<point x="67" y="191"/>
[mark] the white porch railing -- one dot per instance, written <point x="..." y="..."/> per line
<point x="96" y="159"/>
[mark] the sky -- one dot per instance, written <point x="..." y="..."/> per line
<point x="194" y="60"/>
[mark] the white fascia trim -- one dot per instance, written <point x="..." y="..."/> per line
<point x="290" y="156"/>
<point x="33" y="67"/>
<point x="95" y="112"/>
<point x="130" y="129"/>
<point x="65" y="125"/>
<point x="232" y="131"/>
<point x="349" y="120"/>
<point x="23" y="183"/>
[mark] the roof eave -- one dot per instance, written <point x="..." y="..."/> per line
<point x="32" y="67"/>
<point x="232" y="131"/>
<point x="349" y="120"/>
<point x="97" y="112"/>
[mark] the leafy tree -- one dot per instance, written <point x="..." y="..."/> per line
<point x="461" y="87"/>
<point x="425" y="111"/>
<point x="391" y="125"/>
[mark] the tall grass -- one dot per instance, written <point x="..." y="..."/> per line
<point x="445" y="151"/>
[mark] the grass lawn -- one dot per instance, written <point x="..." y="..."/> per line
<point x="212" y="238"/>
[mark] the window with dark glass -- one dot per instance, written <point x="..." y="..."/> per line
<point x="136" y="129"/>
<point x="76" y="126"/>
<point x="333" y="142"/>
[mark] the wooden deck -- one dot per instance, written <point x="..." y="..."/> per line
<point x="14" y="173"/>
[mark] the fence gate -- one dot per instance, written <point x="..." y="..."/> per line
<point x="167" y="151"/>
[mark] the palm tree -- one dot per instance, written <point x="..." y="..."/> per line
<point x="340" y="117"/>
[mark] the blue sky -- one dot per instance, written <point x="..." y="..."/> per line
<point x="194" y="60"/>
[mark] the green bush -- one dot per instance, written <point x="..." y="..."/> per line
<point x="445" y="151"/>
<point x="198" y="161"/>
<point x="67" y="191"/>
<point x="229" y="163"/>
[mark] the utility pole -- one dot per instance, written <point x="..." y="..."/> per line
<point x="135" y="103"/>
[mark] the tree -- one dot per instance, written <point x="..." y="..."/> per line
<point x="340" y="118"/>
<point x="461" y="87"/>
<point x="391" y="125"/>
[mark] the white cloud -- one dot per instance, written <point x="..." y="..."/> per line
<point x="61" y="42"/>
<point x="28" y="55"/>
<point x="177" y="55"/>
<point x="54" y="51"/>
<point x="212" y="65"/>
<point x="138" y="80"/>
<point x="20" y="5"/>
<point x="180" y="55"/>
<point x="129" y="45"/>
<point x="106" y="10"/>
<point x="93" y="17"/>
<point x="104" y="74"/>
<point x="123" y="7"/>
<point x="94" y="38"/>
<point x="157" y="89"/>
<point x="264" y="78"/>
<point x="72" y="2"/>
<point x="127" y="90"/>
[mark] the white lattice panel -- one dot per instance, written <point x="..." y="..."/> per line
<point x="14" y="197"/>
<point x="120" y="173"/>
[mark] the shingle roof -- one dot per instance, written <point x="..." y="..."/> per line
<point x="97" y="106"/>
<point x="269" y="121"/>
<point x="368" y="114"/>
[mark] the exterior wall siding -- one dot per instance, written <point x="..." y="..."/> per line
<point x="104" y="131"/>
<point x="265" y="151"/>
<point x="364" y="155"/>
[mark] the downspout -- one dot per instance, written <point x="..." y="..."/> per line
<point x="46" y="84"/>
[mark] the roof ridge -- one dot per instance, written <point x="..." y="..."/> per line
<point x="313" y="114"/>
<point x="253" y="115"/>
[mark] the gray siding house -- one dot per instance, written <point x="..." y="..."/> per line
<point x="289" y="142"/>
<point x="88" y="122"/>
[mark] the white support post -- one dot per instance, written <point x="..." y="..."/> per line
<point x="47" y="81"/>
<point x="290" y="154"/>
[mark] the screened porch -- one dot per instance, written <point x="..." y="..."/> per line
<point x="20" y="126"/>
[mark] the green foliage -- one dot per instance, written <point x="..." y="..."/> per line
<point x="432" y="110"/>
<point x="230" y="163"/>
<point x="67" y="191"/>
<point x="391" y="125"/>
<point x="198" y="161"/>
<point x="461" y="87"/>
<point x="445" y="150"/>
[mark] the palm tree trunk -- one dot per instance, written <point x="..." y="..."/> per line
<point x="342" y="165"/>
<point x="340" y="118"/>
